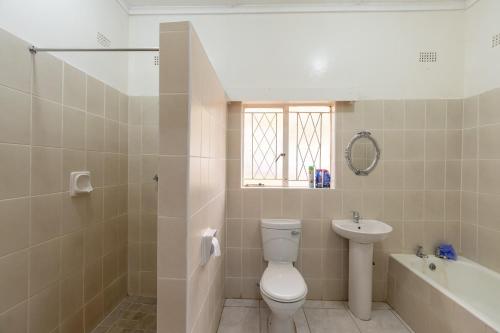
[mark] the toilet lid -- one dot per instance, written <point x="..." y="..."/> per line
<point x="283" y="283"/>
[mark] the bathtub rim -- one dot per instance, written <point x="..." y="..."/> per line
<point x="402" y="258"/>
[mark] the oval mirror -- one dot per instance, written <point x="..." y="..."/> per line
<point x="362" y="153"/>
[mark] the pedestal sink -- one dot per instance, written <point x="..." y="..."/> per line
<point x="361" y="237"/>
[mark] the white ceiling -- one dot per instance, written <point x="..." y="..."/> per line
<point x="263" y="6"/>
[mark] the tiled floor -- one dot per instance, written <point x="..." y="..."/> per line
<point x="135" y="314"/>
<point x="250" y="316"/>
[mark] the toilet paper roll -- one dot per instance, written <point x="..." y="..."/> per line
<point x="215" y="247"/>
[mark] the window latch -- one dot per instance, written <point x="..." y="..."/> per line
<point x="279" y="156"/>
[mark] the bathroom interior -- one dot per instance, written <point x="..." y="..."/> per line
<point x="249" y="166"/>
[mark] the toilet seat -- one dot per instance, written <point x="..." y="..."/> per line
<point x="283" y="283"/>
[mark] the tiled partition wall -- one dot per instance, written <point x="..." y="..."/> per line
<point x="480" y="227"/>
<point x="192" y="183"/>
<point x="63" y="260"/>
<point x="415" y="188"/>
<point x="143" y="195"/>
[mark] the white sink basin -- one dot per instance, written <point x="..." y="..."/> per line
<point x="364" y="232"/>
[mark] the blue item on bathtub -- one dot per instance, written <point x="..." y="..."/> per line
<point x="447" y="250"/>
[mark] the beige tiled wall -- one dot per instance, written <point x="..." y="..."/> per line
<point x="415" y="188"/>
<point x="480" y="218"/>
<point x="192" y="182"/>
<point x="143" y="195"/>
<point x="63" y="260"/>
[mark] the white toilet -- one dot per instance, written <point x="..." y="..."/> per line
<point x="282" y="286"/>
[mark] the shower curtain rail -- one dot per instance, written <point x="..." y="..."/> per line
<point x="34" y="50"/>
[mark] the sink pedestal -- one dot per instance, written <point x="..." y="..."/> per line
<point x="360" y="279"/>
<point x="361" y="235"/>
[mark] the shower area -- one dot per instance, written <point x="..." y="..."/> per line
<point x="84" y="263"/>
<point x="128" y="240"/>
<point x="137" y="310"/>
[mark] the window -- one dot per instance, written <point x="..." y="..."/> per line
<point x="280" y="142"/>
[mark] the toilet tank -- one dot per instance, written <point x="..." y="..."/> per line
<point x="280" y="239"/>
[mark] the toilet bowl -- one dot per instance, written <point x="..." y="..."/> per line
<point x="282" y="286"/>
<point x="284" y="291"/>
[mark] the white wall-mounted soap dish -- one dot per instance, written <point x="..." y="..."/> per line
<point x="79" y="183"/>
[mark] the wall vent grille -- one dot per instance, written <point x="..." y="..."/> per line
<point x="103" y="40"/>
<point x="428" y="56"/>
<point x="495" y="41"/>
<point x="156" y="60"/>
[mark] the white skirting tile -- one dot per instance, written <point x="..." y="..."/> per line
<point x="249" y="303"/>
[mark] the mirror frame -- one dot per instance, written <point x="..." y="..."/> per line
<point x="348" y="153"/>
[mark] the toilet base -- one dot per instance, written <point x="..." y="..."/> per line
<point x="281" y="315"/>
<point x="280" y="324"/>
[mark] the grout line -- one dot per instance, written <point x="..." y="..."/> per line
<point x="351" y="315"/>
<point x="28" y="312"/>
<point x="260" y="320"/>
<point x="14" y="306"/>
<point x="139" y="249"/>
<point x="476" y="196"/>
<point x="243" y="306"/>
<point x="446" y="163"/>
<point x="461" y="179"/>
<point x="401" y="320"/>
<point x="84" y="234"/>
<point x="29" y="93"/>
<point x="307" y="320"/>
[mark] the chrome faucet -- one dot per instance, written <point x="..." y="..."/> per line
<point x="420" y="252"/>
<point x="355" y="216"/>
<point x="437" y="253"/>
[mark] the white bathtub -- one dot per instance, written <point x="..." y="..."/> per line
<point x="473" y="287"/>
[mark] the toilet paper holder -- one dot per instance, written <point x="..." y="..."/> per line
<point x="209" y="246"/>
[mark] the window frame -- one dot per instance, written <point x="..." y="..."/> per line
<point x="286" y="138"/>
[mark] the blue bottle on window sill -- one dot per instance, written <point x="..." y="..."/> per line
<point x="326" y="179"/>
<point x="322" y="178"/>
<point x="319" y="178"/>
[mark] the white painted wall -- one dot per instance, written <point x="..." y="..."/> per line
<point x="319" y="56"/>
<point x="73" y="23"/>
<point x="482" y="62"/>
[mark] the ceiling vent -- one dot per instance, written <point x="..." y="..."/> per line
<point x="495" y="41"/>
<point x="103" y="40"/>
<point x="156" y="60"/>
<point x="427" y="57"/>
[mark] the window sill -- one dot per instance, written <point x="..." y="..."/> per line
<point x="286" y="187"/>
